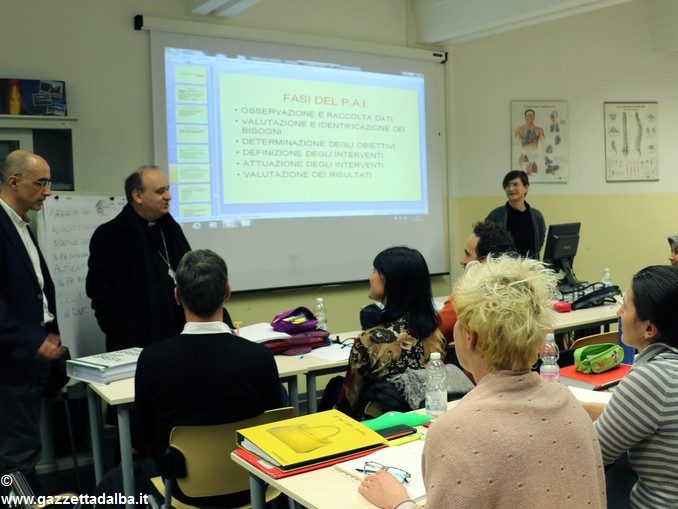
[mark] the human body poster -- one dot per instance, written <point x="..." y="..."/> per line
<point x="631" y="133"/>
<point x="540" y="140"/>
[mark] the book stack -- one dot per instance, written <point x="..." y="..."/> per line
<point x="308" y="442"/>
<point x="106" y="367"/>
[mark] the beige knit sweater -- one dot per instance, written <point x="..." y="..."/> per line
<point x="514" y="442"/>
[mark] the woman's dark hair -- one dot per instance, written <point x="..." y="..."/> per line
<point x="655" y="297"/>
<point x="515" y="174"/>
<point x="407" y="290"/>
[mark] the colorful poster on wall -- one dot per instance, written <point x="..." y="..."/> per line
<point x="32" y="97"/>
<point x="631" y="134"/>
<point x="540" y="140"/>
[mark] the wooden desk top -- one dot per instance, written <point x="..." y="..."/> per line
<point x="115" y="393"/>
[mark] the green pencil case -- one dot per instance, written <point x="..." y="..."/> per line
<point x="395" y="418"/>
<point x="598" y="358"/>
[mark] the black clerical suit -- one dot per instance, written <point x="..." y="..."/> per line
<point x="128" y="280"/>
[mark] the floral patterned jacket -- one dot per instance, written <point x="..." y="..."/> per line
<point x="383" y="351"/>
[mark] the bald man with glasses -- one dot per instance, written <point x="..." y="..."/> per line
<point x="29" y="335"/>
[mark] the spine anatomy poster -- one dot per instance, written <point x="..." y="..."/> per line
<point x="631" y="134"/>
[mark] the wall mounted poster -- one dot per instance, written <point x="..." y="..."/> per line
<point x="540" y="139"/>
<point x="631" y="134"/>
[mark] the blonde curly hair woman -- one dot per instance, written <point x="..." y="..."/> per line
<point x="514" y="440"/>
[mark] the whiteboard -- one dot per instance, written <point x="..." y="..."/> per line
<point x="65" y="227"/>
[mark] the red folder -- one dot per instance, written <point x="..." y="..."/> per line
<point x="597" y="381"/>
<point x="278" y="473"/>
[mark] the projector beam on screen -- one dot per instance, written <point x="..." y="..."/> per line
<point x="298" y="170"/>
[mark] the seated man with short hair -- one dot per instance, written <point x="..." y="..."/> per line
<point x="205" y="375"/>
<point x="487" y="238"/>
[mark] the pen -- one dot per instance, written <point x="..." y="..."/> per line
<point x="606" y="385"/>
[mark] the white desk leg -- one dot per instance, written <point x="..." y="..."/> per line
<point x="94" y="410"/>
<point x="293" y="387"/>
<point x="126" y="452"/>
<point x="257" y="492"/>
<point x="311" y="393"/>
<point x="292" y="391"/>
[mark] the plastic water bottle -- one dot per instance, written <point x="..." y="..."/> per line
<point x="320" y="312"/>
<point x="549" y="353"/>
<point x="436" y="387"/>
<point x="606" y="278"/>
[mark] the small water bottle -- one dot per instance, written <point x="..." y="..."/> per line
<point x="549" y="353"/>
<point x="320" y="312"/>
<point x="436" y="387"/>
<point x="606" y="278"/>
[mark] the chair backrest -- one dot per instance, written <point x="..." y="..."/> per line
<point x="206" y="449"/>
<point x="595" y="339"/>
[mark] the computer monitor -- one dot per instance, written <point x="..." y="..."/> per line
<point x="561" y="247"/>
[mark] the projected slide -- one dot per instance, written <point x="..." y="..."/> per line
<point x="252" y="139"/>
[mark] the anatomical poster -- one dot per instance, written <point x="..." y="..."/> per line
<point x="539" y="139"/>
<point x="631" y="134"/>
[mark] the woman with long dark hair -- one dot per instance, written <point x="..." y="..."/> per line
<point x="641" y="419"/>
<point x="405" y="334"/>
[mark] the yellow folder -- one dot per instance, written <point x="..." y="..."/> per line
<point x="308" y="439"/>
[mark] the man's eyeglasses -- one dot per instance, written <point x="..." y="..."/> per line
<point x="43" y="183"/>
<point x="372" y="467"/>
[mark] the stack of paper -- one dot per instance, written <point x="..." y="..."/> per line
<point x="309" y="440"/>
<point x="104" y="368"/>
<point x="589" y="396"/>
<point x="261" y="332"/>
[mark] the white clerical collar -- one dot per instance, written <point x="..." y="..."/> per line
<point x="205" y="328"/>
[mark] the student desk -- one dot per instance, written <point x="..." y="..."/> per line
<point x="326" y="360"/>
<point x="583" y="318"/>
<point x="327" y="488"/>
<point x="600" y="316"/>
<point x="120" y="394"/>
